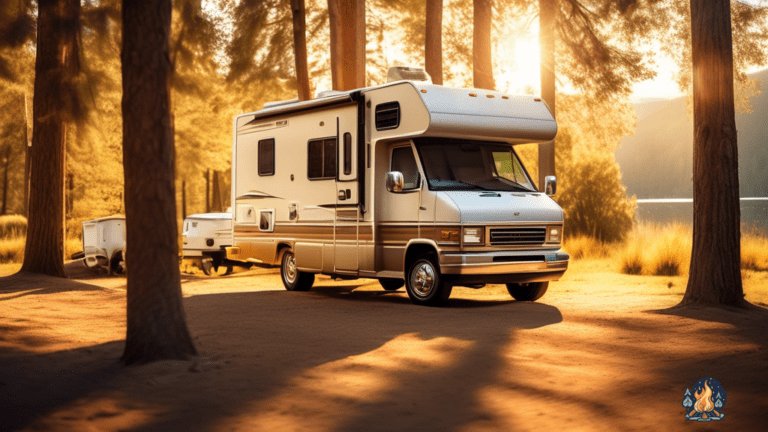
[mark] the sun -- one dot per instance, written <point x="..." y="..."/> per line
<point x="519" y="67"/>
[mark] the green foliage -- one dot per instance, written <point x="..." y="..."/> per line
<point x="589" y="181"/>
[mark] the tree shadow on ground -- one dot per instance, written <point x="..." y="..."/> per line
<point x="262" y="341"/>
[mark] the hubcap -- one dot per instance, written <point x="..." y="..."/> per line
<point x="290" y="269"/>
<point x="423" y="279"/>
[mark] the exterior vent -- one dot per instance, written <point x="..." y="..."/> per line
<point x="518" y="236"/>
<point x="387" y="116"/>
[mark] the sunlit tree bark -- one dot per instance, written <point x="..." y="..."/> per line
<point x="482" y="60"/>
<point x="433" y="49"/>
<point x="347" y="25"/>
<point x="715" y="274"/>
<point x="547" y="22"/>
<point x="156" y="326"/>
<point x="300" y="49"/>
<point x="56" y="65"/>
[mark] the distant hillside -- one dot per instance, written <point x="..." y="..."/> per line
<point x="657" y="161"/>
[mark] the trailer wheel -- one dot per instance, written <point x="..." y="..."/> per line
<point x="390" y="284"/>
<point x="293" y="279"/>
<point x="206" y="265"/>
<point x="531" y="291"/>
<point x="425" y="284"/>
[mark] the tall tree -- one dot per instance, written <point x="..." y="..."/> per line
<point x="547" y="20"/>
<point x="433" y="44"/>
<point x="300" y="49"/>
<point x="347" y="25"/>
<point x="715" y="274"/>
<point x="55" y="102"/>
<point x="156" y="325"/>
<point x="482" y="60"/>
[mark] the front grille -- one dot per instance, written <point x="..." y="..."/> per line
<point x="518" y="236"/>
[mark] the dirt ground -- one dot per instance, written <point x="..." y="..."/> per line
<point x="600" y="351"/>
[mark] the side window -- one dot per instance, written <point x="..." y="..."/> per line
<point x="403" y="161"/>
<point x="267" y="157"/>
<point x="321" y="159"/>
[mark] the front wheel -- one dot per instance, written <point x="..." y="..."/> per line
<point x="531" y="291"/>
<point x="293" y="279"/>
<point x="424" y="283"/>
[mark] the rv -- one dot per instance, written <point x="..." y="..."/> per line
<point x="407" y="182"/>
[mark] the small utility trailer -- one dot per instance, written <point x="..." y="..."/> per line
<point x="104" y="244"/>
<point x="205" y="237"/>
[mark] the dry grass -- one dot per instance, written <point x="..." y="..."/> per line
<point x="585" y="247"/>
<point x="12" y="250"/>
<point x="12" y="226"/>
<point x="665" y="250"/>
<point x="754" y="252"/>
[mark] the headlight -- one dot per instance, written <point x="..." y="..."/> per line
<point x="554" y="234"/>
<point x="473" y="235"/>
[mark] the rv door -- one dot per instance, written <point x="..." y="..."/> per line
<point x="347" y="208"/>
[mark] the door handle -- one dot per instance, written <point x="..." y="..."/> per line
<point x="342" y="195"/>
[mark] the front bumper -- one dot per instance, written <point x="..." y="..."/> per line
<point x="504" y="266"/>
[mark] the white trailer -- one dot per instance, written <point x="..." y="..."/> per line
<point x="205" y="236"/>
<point x="104" y="244"/>
<point x="408" y="182"/>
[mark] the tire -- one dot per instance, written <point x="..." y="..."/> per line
<point x="531" y="291"/>
<point x="206" y="265"/>
<point x="390" y="284"/>
<point x="424" y="283"/>
<point x="293" y="279"/>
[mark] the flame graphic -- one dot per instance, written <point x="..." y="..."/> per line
<point x="704" y="399"/>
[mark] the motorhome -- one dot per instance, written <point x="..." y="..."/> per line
<point x="406" y="182"/>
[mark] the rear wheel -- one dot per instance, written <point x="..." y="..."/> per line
<point x="293" y="279"/>
<point x="531" y="291"/>
<point x="391" y="284"/>
<point x="424" y="283"/>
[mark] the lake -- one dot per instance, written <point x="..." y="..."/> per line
<point x="754" y="211"/>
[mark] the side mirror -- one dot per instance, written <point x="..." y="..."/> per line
<point x="550" y="185"/>
<point x="394" y="181"/>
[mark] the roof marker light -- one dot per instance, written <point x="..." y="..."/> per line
<point x="537" y="99"/>
<point x="423" y="90"/>
<point x="505" y="97"/>
<point x="489" y="96"/>
<point x="473" y="94"/>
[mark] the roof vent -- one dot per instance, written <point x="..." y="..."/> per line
<point x="387" y="116"/>
<point x="404" y="73"/>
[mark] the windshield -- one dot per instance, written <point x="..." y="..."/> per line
<point x="454" y="164"/>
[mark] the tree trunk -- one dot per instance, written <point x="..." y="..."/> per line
<point x="482" y="60"/>
<point x="156" y="325"/>
<point x="347" y="23"/>
<point x="433" y="46"/>
<point x="207" y="191"/>
<point x="183" y="199"/>
<point x="300" y="49"/>
<point x="547" y="22"/>
<point x="56" y="63"/>
<point x="26" y="158"/>
<point x="216" y="197"/>
<point x="6" y="162"/>
<point x="715" y="273"/>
